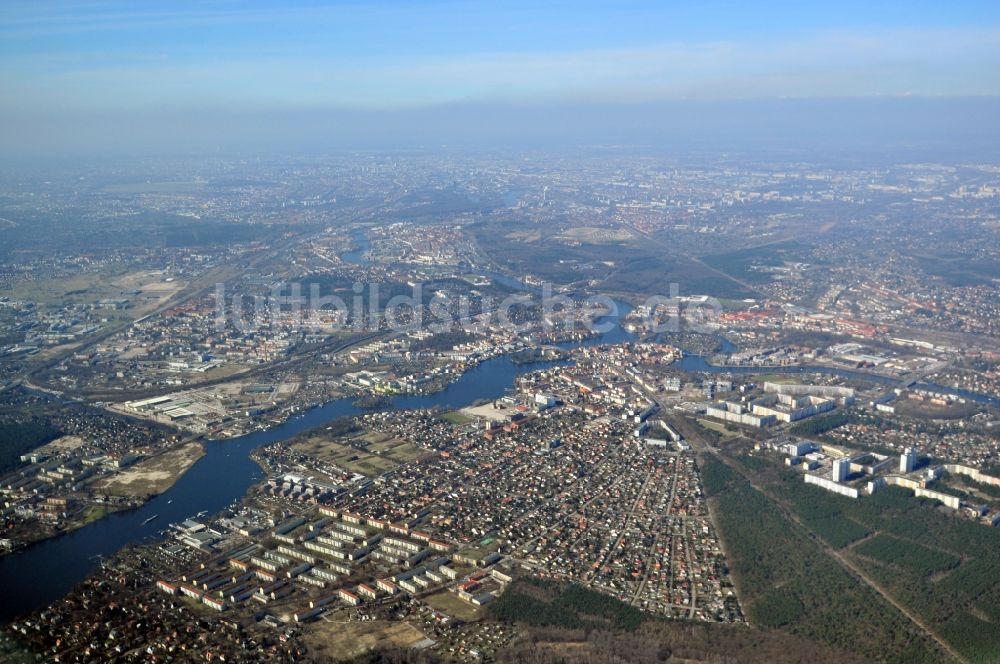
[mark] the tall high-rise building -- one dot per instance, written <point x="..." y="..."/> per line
<point x="908" y="460"/>
<point x="841" y="469"/>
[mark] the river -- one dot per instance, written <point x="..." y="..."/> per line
<point x="45" y="571"/>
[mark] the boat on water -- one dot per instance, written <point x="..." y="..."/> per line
<point x="150" y="519"/>
<point x="170" y="501"/>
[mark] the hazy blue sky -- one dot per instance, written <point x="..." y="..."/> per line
<point x="86" y="62"/>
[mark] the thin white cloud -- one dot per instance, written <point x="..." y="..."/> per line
<point x="942" y="62"/>
<point x="59" y="19"/>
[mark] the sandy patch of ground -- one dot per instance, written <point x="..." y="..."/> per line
<point x="155" y="475"/>
<point x="339" y="641"/>
<point x="488" y="412"/>
<point x="593" y="234"/>
<point x="62" y="444"/>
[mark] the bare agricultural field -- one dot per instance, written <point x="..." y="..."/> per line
<point x="155" y="475"/>
<point x="341" y="641"/>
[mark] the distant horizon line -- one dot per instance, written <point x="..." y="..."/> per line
<point x="510" y="104"/>
<point x="947" y="124"/>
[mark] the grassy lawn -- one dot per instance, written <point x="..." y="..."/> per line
<point x="346" y="457"/>
<point x="456" y="417"/>
<point x="403" y="452"/>
<point x="93" y="513"/>
<point x="454" y="606"/>
<point x="719" y="427"/>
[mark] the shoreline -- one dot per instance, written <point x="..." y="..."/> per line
<point x="134" y="501"/>
<point x="203" y="438"/>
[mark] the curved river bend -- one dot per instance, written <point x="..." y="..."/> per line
<point x="47" y="570"/>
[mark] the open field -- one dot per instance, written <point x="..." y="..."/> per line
<point x="928" y="411"/>
<point x="371" y="438"/>
<point x="145" y="290"/>
<point x="454" y="606"/>
<point x="718" y="427"/>
<point x="340" y="641"/>
<point x="398" y="450"/>
<point x="92" y="513"/>
<point x="486" y="411"/>
<point x="153" y="476"/>
<point x="62" y="444"/>
<point x="524" y="236"/>
<point x="79" y="288"/>
<point x="595" y="235"/>
<point x="384" y="455"/>
<point x="457" y="417"/>
<point x="782" y="379"/>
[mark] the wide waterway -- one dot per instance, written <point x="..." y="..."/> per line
<point x="45" y="571"/>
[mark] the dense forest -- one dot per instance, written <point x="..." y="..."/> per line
<point x="786" y="581"/>
<point x="942" y="567"/>
<point x="565" y="622"/>
<point x="17" y="438"/>
<point x="817" y="425"/>
<point x="669" y="641"/>
<point x="544" y="603"/>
